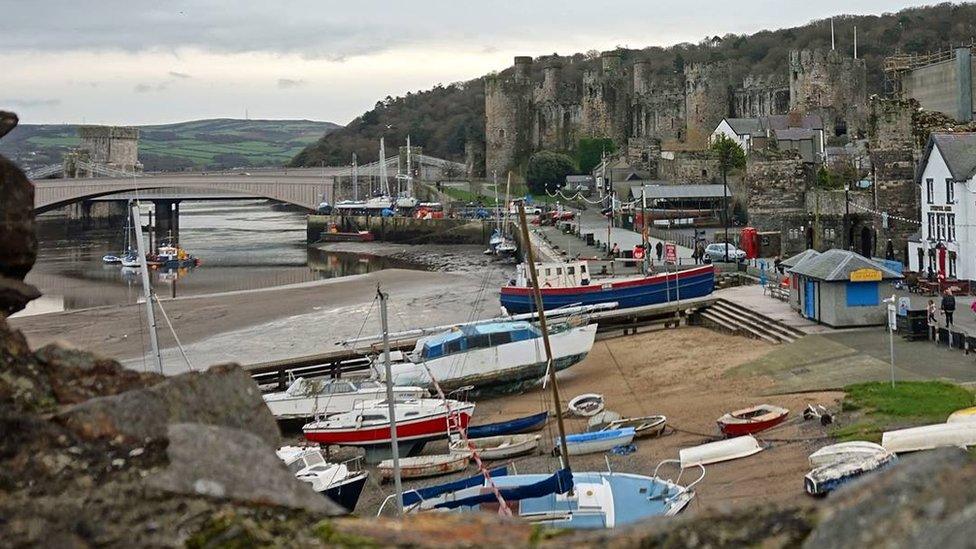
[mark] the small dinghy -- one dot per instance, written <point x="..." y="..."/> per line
<point x="845" y="451"/>
<point x="511" y="427"/>
<point x="928" y="437"/>
<point x="586" y="405"/>
<point x="644" y="427"/>
<point x="600" y="441"/>
<point x="721" y="450"/>
<point x="962" y="416"/>
<point x="424" y="466"/>
<point x="337" y="481"/>
<point x="751" y="420"/>
<point x="826" y="478"/>
<point x="111" y="259"/>
<point x="500" y="447"/>
<point x="600" y="421"/>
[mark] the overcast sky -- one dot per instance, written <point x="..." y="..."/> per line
<point x="139" y="62"/>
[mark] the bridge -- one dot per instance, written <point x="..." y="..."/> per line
<point x="302" y="187"/>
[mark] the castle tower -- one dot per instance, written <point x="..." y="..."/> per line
<point x="642" y="76"/>
<point x="115" y="147"/>
<point x="831" y="85"/>
<point x="708" y="99"/>
<point x="551" y="71"/>
<point x="610" y="61"/>
<point x="523" y="68"/>
<point x="508" y="118"/>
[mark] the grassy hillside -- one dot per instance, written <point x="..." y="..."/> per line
<point x="200" y="144"/>
<point x="444" y="118"/>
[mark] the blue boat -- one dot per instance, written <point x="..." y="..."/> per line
<point x="597" y="441"/>
<point x="599" y="499"/>
<point x="511" y="427"/>
<point x="568" y="284"/>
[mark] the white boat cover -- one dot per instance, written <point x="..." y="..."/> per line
<point x="722" y="450"/>
<point x="845" y="451"/>
<point x="927" y="437"/>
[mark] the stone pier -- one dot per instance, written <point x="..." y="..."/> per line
<point x="406" y="230"/>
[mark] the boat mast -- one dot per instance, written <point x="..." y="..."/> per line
<point x="498" y="214"/>
<point x="355" y="179"/>
<point x="391" y="406"/>
<point x="508" y="186"/>
<point x="527" y="246"/>
<point x="384" y="182"/>
<point x="409" y="182"/>
<point x="146" y="289"/>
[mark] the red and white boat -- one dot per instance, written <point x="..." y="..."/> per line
<point x="751" y="420"/>
<point x="417" y="420"/>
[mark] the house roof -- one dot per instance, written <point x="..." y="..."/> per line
<point x="800" y="257"/>
<point x="744" y="126"/>
<point x="838" y="264"/>
<point x="958" y="150"/>
<point x="794" y="134"/>
<point x="678" y="191"/>
<point x="577" y="178"/>
<point x="784" y="121"/>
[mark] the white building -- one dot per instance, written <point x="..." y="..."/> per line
<point x="739" y="130"/>
<point x="947" y="180"/>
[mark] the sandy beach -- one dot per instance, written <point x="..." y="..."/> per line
<point x="680" y="373"/>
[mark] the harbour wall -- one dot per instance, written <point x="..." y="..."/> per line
<point x="406" y="230"/>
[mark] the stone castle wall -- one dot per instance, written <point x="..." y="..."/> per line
<point x="529" y="111"/>
<point x="830" y="84"/>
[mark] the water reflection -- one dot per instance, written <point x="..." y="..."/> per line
<point x="243" y="245"/>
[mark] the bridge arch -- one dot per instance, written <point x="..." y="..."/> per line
<point x="303" y="190"/>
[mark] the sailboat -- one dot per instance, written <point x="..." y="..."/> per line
<point x="506" y="247"/>
<point x="128" y="255"/>
<point x="564" y="499"/>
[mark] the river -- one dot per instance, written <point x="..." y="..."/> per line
<point x="242" y="245"/>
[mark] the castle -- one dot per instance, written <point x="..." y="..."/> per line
<point x="642" y="109"/>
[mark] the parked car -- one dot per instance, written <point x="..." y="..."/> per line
<point x="716" y="252"/>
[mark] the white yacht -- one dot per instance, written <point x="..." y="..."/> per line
<point x="308" y="398"/>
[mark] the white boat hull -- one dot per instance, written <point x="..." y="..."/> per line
<point x="928" y="437"/>
<point x="508" y="363"/>
<point x="500" y="447"/>
<point x="718" y="451"/>
<point x="424" y="466"/>
<point x="286" y="406"/>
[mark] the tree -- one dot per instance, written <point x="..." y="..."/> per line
<point x="547" y="170"/>
<point x="589" y="152"/>
<point x="730" y="157"/>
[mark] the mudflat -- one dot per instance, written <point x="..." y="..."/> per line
<point x="266" y="324"/>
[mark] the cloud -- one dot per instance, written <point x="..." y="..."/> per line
<point x="288" y="83"/>
<point x="143" y="87"/>
<point x="180" y="75"/>
<point x="29" y="103"/>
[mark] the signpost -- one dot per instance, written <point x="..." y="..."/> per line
<point x="892" y="312"/>
<point x="670" y="253"/>
<point x="671" y="258"/>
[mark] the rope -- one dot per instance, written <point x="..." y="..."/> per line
<point x="503" y="507"/>
<point x="172" y="331"/>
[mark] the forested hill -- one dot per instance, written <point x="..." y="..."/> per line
<point x="444" y="118"/>
<point x="199" y="144"/>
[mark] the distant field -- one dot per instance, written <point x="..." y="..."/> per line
<point x="198" y="144"/>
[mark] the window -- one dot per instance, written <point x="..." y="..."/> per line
<point x="570" y="270"/>
<point x="559" y="270"/>
<point x="548" y="272"/>
<point x="940" y="226"/>
<point x="950" y="227"/>
<point x="862" y="294"/>
<point x="929" y="191"/>
<point x="582" y="269"/>
<point x="931" y="225"/>
<point x="952" y="266"/>
<point x="950" y="191"/>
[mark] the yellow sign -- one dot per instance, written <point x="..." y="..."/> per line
<point x="866" y="275"/>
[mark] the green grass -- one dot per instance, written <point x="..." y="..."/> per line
<point x="468" y="196"/>
<point x="882" y="407"/>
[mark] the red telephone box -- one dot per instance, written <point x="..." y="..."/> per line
<point x="749" y="242"/>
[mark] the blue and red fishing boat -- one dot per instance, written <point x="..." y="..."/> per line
<point x="566" y="284"/>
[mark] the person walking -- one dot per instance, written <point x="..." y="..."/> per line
<point x="932" y="319"/>
<point x="659" y="248"/>
<point x="948" y="306"/>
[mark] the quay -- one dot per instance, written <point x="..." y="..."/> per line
<point x="405" y="230"/>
